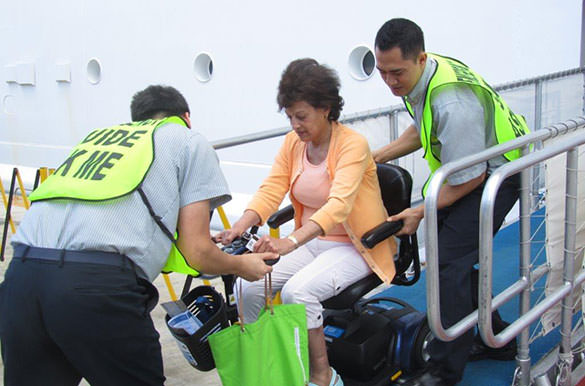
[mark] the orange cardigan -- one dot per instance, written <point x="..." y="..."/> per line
<point x="354" y="199"/>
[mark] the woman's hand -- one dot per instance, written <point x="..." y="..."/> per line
<point x="248" y="219"/>
<point x="271" y="244"/>
<point x="227" y="236"/>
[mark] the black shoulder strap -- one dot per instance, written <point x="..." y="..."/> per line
<point x="157" y="219"/>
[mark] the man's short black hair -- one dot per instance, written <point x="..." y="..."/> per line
<point x="401" y="33"/>
<point x="157" y="100"/>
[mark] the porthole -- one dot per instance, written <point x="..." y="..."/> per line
<point x="9" y="104"/>
<point x="362" y="63"/>
<point x="94" y="71"/>
<point x="203" y="67"/>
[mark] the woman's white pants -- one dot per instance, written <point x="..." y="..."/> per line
<point x="309" y="275"/>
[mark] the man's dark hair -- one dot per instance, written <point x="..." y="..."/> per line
<point x="401" y="33"/>
<point x="157" y="100"/>
<point x="307" y="80"/>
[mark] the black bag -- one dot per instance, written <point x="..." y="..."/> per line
<point x="209" y="307"/>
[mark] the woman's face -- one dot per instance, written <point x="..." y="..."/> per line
<point x="310" y="124"/>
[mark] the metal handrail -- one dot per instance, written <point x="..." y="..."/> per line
<point x="486" y="244"/>
<point x="430" y="215"/>
<point x="542" y="78"/>
<point x="242" y="139"/>
<point x="528" y="313"/>
<point x="267" y="134"/>
<point x="375" y="113"/>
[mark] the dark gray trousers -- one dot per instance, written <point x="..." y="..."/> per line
<point x="62" y="320"/>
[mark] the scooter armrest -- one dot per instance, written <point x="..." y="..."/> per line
<point x="381" y="232"/>
<point x="280" y="217"/>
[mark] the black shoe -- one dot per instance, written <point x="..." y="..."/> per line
<point x="429" y="377"/>
<point x="480" y="351"/>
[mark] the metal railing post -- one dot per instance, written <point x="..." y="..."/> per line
<point x="566" y="355"/>
<point x="537" y="172"/>
<point x="393" y="119"/>
<point x="538" y="105"/>
<point x="523" y="356"/>
<point x="583" y="97"/>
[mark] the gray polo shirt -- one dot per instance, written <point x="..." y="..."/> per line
<point x="185" y="170"/>
<point x="463" y="123"/>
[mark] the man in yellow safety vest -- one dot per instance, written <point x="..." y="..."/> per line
<point x="456" y="114"/>
<point x="77" y="295"/>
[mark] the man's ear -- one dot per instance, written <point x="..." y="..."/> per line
<point x="187" y="118"/>
<point x="422" y="58"/>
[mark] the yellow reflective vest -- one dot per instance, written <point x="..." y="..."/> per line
<point x="449" y="71"/>
<point x="110" y="163"/>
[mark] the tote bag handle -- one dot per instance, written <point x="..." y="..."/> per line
<point x="268" y="299"/>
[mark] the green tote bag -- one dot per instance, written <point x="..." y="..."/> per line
<point x="272" y="351"/>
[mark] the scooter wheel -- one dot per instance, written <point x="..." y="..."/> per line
<point x="420" y="352"/>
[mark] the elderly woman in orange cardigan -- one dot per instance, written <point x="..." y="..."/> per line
<point x="330" y="176"/>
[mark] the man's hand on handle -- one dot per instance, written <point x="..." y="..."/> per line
<point x="253" y="265"/>
<point x="411" y="218"/>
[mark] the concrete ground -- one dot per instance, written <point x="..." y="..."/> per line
<point x="177" y="369"/>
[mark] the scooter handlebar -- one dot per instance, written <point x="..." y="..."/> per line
<point x="241" y="245"/>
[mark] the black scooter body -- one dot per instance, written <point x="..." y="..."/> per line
<point x="376" y="343"/>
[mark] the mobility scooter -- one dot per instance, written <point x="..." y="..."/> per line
<point x="370" y="342"/>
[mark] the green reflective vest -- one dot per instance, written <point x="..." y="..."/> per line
<point x="449" y="71"/>
<point x="111" y="163"/>
<point x="176" y="262"/>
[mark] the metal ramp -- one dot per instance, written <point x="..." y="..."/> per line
<point x="555" y="368"/>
